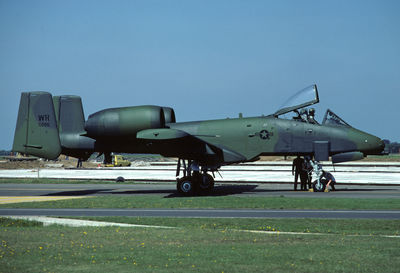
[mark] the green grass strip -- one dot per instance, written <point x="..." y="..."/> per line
<point x="200" y="245"/>
<point x="328" y="226"/>
<point x="224" y="202"/>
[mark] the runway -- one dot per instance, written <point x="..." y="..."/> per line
<point x="263" y="180"/>
<point x="167" y="190"/>
<point x="207" y="213"/>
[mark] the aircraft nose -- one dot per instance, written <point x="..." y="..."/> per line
<point x="373" y="145"/>
<point x="382" y="146"/>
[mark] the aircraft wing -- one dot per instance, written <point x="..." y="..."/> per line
<point x="174" y="142"/>
<point x="161" y="134"/>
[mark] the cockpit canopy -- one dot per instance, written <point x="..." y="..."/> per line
<point x="305" y="97"/>
<point x="298" y="104"/>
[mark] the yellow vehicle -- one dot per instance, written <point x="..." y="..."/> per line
<point x="119" y="161"/>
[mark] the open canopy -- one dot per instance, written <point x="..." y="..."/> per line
<point x="298" y="104"/>
<point x="303" y="98"/>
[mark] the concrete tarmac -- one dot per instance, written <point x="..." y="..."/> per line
<point x="371" y="173"/>
<point x="168" y="190"/>
<point x="250" y="180"/>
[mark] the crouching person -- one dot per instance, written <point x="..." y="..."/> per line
<point x="330" y="181"/>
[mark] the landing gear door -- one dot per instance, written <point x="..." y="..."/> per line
<point x="321" y="150"/>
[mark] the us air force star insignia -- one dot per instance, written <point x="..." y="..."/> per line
<point x="264" y="134"/>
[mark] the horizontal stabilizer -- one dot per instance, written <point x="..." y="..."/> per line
<point x="161" y="134"/>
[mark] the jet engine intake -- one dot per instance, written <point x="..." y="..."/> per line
<point x="125" y="121"/>
<point x="169" y="115"/>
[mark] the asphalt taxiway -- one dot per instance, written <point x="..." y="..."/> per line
<point x="372" y="180"/>
<point x="168" y="190"/>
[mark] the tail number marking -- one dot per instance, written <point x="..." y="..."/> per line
<point x="44" y="120"/>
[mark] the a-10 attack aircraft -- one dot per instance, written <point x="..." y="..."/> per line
<point x="49" y="126"/>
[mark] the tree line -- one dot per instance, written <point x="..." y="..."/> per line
<point x="391" y="147"/>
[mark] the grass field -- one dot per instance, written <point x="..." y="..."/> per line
<point x="223" y="202"/>
<point x="204" y="244"/>
<point x="200" y="245"/>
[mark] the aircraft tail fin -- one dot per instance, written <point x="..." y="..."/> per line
<point x="69" y="114"/>
<point x="36" y="132"/>
<point x="71" y="126"/>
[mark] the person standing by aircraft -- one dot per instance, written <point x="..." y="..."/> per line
<point x="297" y="167"/>
<point x="304" y="176"/>
<point x="308" y="168"/>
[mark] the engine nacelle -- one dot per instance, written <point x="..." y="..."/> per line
<point x="169" y="115"/>
<point x="124" y="121"/>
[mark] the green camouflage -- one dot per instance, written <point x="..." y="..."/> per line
<point x="152" y="129"/>
<point x="36" y="131"/>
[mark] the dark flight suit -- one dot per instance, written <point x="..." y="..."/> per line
<point x="297" y="168"/>
<point x="307" y="168"/>
<point x="303" y="179"/>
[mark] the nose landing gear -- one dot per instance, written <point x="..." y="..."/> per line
<point x="319" y="182"/>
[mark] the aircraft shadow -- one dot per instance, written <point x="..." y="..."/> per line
<point x="218" y="191"/>
<point x="79" y="193"/>
<point x="221" y="191"/>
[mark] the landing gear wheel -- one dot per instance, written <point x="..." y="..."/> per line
<point x="321" y="186"/>
<point x="205" y="183"/>
<point x="185" y="186"/>
<point x="120" y="179"/>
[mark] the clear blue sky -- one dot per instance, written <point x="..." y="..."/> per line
<point x="206" y="59"/>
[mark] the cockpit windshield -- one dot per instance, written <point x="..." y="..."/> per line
<point x="305" y="97"/>
<point x="333" y="119"/>
<point x="298" y="104"/>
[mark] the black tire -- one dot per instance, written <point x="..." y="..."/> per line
<point x="205" y="184"/>
<point x="185" y="186"/>
<point x="323" y="185"/>
<point x="120" y="179"/>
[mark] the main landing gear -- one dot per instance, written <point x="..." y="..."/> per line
<point x="194" y="181"/>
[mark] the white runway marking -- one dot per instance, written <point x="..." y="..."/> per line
<point x="88" y="223"/>
<point x="315" y="234"/>
<point x="47" y="221"/>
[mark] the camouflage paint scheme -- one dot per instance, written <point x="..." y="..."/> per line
<point x="143" y="129"/>
<point x="48" y="126"/>
<point x="36" y="132"/>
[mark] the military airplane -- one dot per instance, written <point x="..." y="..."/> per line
<point x="48" y="126"/>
